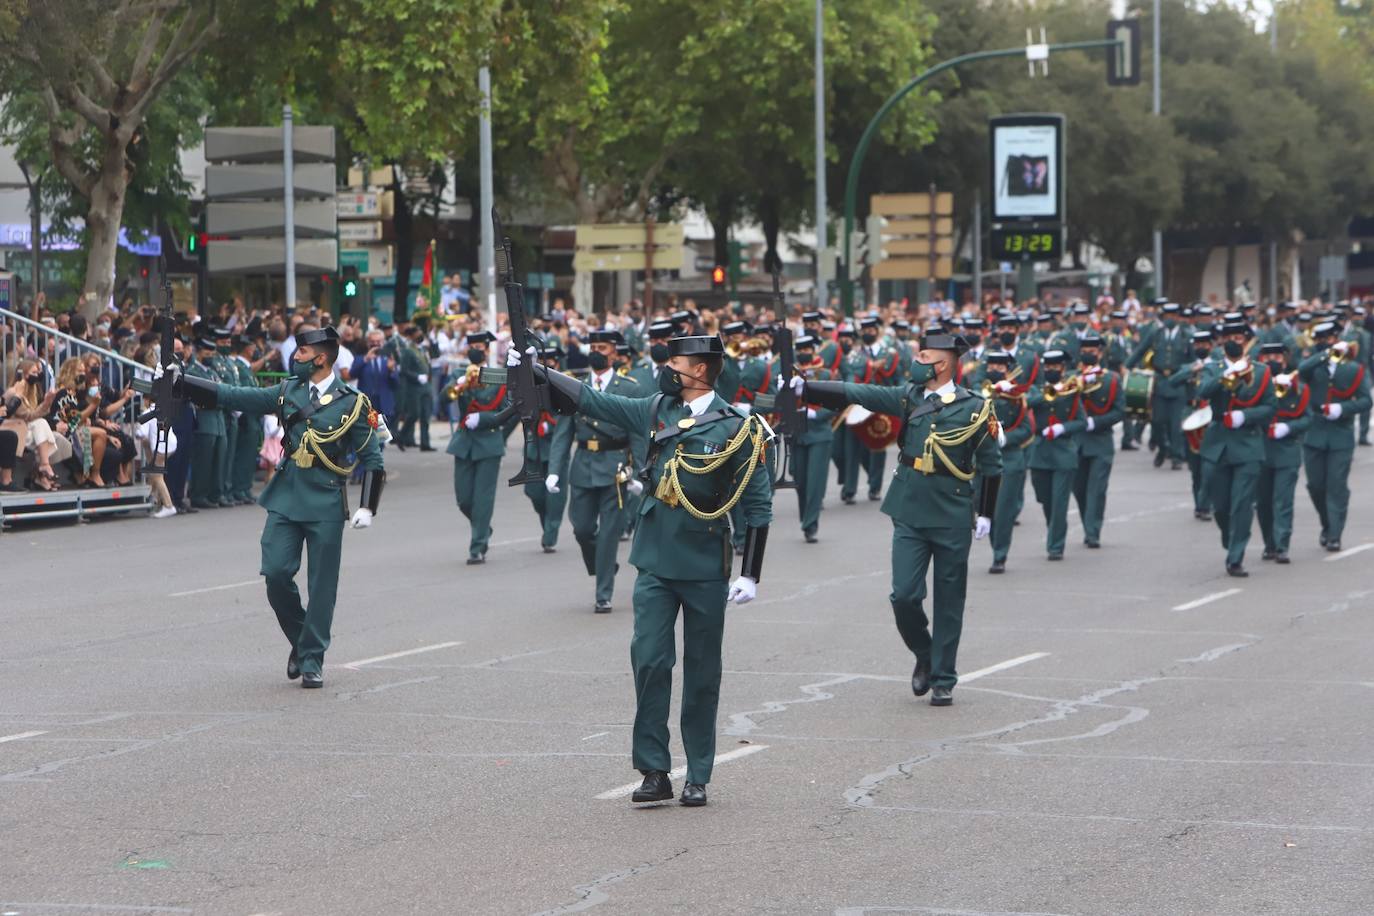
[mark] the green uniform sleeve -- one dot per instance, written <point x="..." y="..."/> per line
<point x="1264" y="411"/>
<point x="560" y="449"/>
<point x="1140" y="350"/>
<point x="757" y="501"/>
<point x="362" y="440"/>
<point x="1210" y="384"/>
<point x="987" y="457"/>
<point x="1020" y="435"/>
<point x="1298" y="425"/>
<point x="877" y="398"/>
<point x="1310" y="364"/>
<point x="630" y="413"/>
<point x="1361" y="401"/>
<point x="248" y="400"/>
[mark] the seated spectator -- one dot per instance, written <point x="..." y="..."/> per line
<point x="26" y="409"/>
<point x="9" y="453"/>
<point x="121" y="448"/>
<point x="71" y="412"/>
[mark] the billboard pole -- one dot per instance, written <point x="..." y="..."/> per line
<point x="288" y="206"/>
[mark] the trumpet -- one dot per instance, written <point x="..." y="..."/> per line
<point x="1064" y="388"/>
<point x="1233" y="379"/>
<point x="989" y="391"/>
<point x="732" y="349"/>
<point x="1282" y="385"/>
<point x="756" y="346"/>
<point x="456" y="389"/>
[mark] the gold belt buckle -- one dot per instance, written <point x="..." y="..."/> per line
<point x="592" y="445"/>
<point x="922" y="464"/>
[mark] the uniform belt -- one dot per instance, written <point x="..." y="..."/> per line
<point x="926" y="466"/>
<point x="605" y="445"/>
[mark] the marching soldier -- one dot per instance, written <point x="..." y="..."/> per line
<point x="243" y="460"/>
<point x="646" y="374"/>
<point x="949" y="436"/>
<point x="1169" y="349"/>
<point x="1058" y="415"/>
<point x="1102" y="410"/>
<point x="1340" y="390"/>
<point x="547" y="505"/>
<point x="811" y="451"/>
<point x="1360" y="346"/>
<point x="1242" y="401"/>
<point x="477" y="445"/>
<point x="600" y="475"/>
<point x="873" y="363"/>
<point x="704" y="457"/>
<point x="208" y="456"/>
<point x="827" y="350"/>
<point x="414" y="399"/>
<point x="1187" y="382"/>
<point x="1119" y="342"/>
<point x="1018" y="430"/>
<point x="323" y="421"/>
<point x="1282" y="453"/>
<point x="226" y="371"/>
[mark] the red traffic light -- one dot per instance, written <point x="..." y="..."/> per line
<point x="718" y="276"/>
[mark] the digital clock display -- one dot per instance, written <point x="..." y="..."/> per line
<point x="1026" y="244"/>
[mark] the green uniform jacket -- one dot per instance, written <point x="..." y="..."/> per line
<point x="1066" y="340"/>
<point x="411" y="366"/>
<point x="1060" y="453"/>
<point x="1118" y="349"/>
<point x="1170" y="353"/>
<point x="1349" y="388"/>
<point x="747" y="380"/>
<point x="315" y="493"/>
<point x="937" y="500"/>
<point x="1018" y="425"/>
<point x="643" y="376"/>
<point x="597" y="469"/>
<point x="670" y="542"/>
<point x="1255" y="400"/>
<point x="209" y="420"/>
<point x="488" y="440"/>
<point x="1105" y="407"/>
<point x="817" y="429"/>
<point x="1292" y="409"/>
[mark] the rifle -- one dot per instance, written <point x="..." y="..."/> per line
<point x="168" y="406"/>
<point x="529" y="395"/>
<point x="792" y="421"/>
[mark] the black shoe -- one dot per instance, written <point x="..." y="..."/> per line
<point x="1364" y="442"/>
<point x="477" y="561"/>
<point x="874" y="497"/>
<point x="1092" y="545"/>
<point x="602" y="607"/>
<point x="693" y="795"/>
<point x="197" y="504"/>
<point x="1281" y="558"/>
<point x="656" y="787"/>
<point x="1055" y="557"/>
<point x="624" y="536"/>
<point x="400" y="446"/>
<point x="1323" y="540"/>
<point x="312" y="679"/>
<point x="1159" y="458"/>
<point x="1237" y="571"/>
<point x="186" y="509"/>
<point x="1176" y="466"/>
<point x="1128" y="447"/>
<point x="920" y="678"/>
<point x="811" y="537"/>
<point x="549" y="549"/>
<point x="998" y="567"/>
<point x="1268" y="554"/>
<point x="1202" y="515"/>
<point x="428" y="448"/>
<point x="942" y="696"/>
<point x="293" y="666"/>
<point x="847" y="500"/>
<point x="1333" y="546"/>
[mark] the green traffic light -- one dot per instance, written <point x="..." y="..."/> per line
<point x="350" y="288"/>
<point x="192" y="242"/>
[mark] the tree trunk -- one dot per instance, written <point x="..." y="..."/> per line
<point x="770" y="216"/>
<point x="103" y="220"/>
<point x="1230" y="268"/>
<point x="403" y="225"/>
<point x="722" y="215"/>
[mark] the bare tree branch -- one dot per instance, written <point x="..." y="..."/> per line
<point x="82" y="104"/>
<point x="61" y="139"/>
<point x="138" y="74"/>
<point x="185" y="44"/>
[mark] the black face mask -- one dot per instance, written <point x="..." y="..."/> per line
<point x="1088" y="359"/>
<point x="1233" y="349"/>
<point x="670" y="383"/>
<point x="1054" y="376"/>
<point x="806" y="357"/>
<point x="1276" y="366"/>
<point x="846" y="344"/>
<point x="995" y="375"/>
<point x="973" y="339"/>
<point x="477" y="356"/>
<point x="1202" y="352"/>
<point x="870" y="339"/>
<point x="1008" y="338"/>
<point x="659" y="353"/>
<point x="598" y="361"/>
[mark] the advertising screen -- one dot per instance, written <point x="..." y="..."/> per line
<point x="1027" y="168"/>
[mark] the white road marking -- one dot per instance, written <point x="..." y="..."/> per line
<point x="1207" y="599"/>
<point x="214" y="588"/>
<point x="597" y="735"/>
<point x="21" y="736"/>
<point x="1349" y="552"/>
<point x="1001" y="666"/>
<point x="681" y="771"/>
<point x="390" y="655"/>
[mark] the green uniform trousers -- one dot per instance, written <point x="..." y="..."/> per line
<point x="1202" y="488"/>
<point x="1052" y="489"/>
<point x="1328" y="483"/>
<point x="1233" y="504"/>
<point x="425" y="411"/>
<point x="244" y="458"/>
<point x="306" y="628"/>
<point x="549" y="507"/>
<point x="1090" y="494"/>
<point x="231" y="446"/>
<point x="653" y="653"/>
<point x="852" y="456"/>
<point x="913" y="549"/>
<point x="1364" y="425"/>
<point x="1274" y="506"/>
<point x="207" y="469"/>
<point x="1166" y="426"/>
<point x="474" y="487"/>
<point x="597" y="520"/>
<point x="1130" y="430"/>
<point x="810" y="463"/>
<point x="1010" y="498"/>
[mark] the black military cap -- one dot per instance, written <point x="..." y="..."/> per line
<point x="1204" y="310"/>
<point x="870" y="321"/>
<point x="812" y="316"/>
<point x="682" y="315"/>
<point x="661" y="330"/>
<point x="205" y="343"/>
<point x="551" y="348"/>
<point x="1232" y="316"/>
<point x="1275" y="347"/>
<point x="846" y="330"/>
<point x="1119" y="314"/>
<point x="1043" y="317"/>
<point x="1247" y="306"/>
<point x="481" y="337"/>
<point x="1081" y="308"/>
<point x="1324" y="329"/>
<point x="828" y="325"/>
<point x="1235" y="327"/>
<point x="326" y="334"/>
<point x="1201" y="334"/>
<point x="953" y="342"/>
<point x="623" y="349"/>
<point x="1287" y="306"/>
<point x="955" y="321"/>
<point x="1304" y="317"/>
<point x="975" y="322"/>
<point x="1090" y="339"/>
<point x="1159" y="300"/>
<point x="1188" y="313"/>
<point x="1007" y="318"/>
<point x="1025" y="317"/>
<point x="734" y="327"/>
<point x="1054" y="356"/>
<point x="1001" y="357"/>
<point x="696" y="346"/>
<point x="902" y="325"/>
<point x="1171" y="308"/>
<point x="804" y="342"/>
<point x="610" y="337"/>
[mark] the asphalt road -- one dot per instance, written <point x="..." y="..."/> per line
<point x="1135" y="732"/>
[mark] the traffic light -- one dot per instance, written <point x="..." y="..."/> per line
<point x="349" y="284"/>
<point x="1123" y="61"/>
<point x="717" y="278"/>
<point x="193" y="244"/>
<point x="736" y="271"/>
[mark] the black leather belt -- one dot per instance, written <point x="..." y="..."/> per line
<point x="916" y="464"/>
<point x="598" y="444"/>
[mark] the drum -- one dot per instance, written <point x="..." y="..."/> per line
<point x="1140" y="387"/>
<point x="1195" y="425"/>
<point x="878" y="431"/>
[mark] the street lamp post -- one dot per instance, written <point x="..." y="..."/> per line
<point x="1158" y="253"/>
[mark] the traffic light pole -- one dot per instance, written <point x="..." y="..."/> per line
<point x="851" y="187"/>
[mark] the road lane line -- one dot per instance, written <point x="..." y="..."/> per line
<point x="1350" y="552"/>
<point x="390" y="655"/>
<point x="21" y="736"/>
<point x="214" y="588"/>
<point x="597" y="735"/>
<point x="1206" y="599"/>
<point x="1001" y="666"/>
<point x="681" y="771"/>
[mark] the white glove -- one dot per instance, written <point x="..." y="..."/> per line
<point x="1006" y="386"/>
<point x="362" y="518"/>
<point x="1286" y="380"/>
<point x="1341" y="347"/>
<point x="743" y="590"/>
<point x="797" y="383"/>
<point x="635" y="486"/>
<point x="422" y="378"/>
<point x="810" y="413"/>
<point x="471" y="421"/>
<point x="981" y="527"/>
<point x="1091" y="425"/>
<point x="1281" y="431"/>
<point x="1236" y="419"/>
<point x="1333" y="411"/>
<point x="513" y="357"/>
<point x="157" y="371"/>
<point x="1001" y="438"/>
<point x="1053" y="432"/>
<point x="551" y="483"/>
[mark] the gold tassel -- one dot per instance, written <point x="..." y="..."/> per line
<point x="665" y="493"/>
<point x="302" y="456"/>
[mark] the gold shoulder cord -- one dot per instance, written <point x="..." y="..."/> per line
<point x="311" y="441"/>
<point x="937" y="442"/>
<point x="753" y="433"/>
